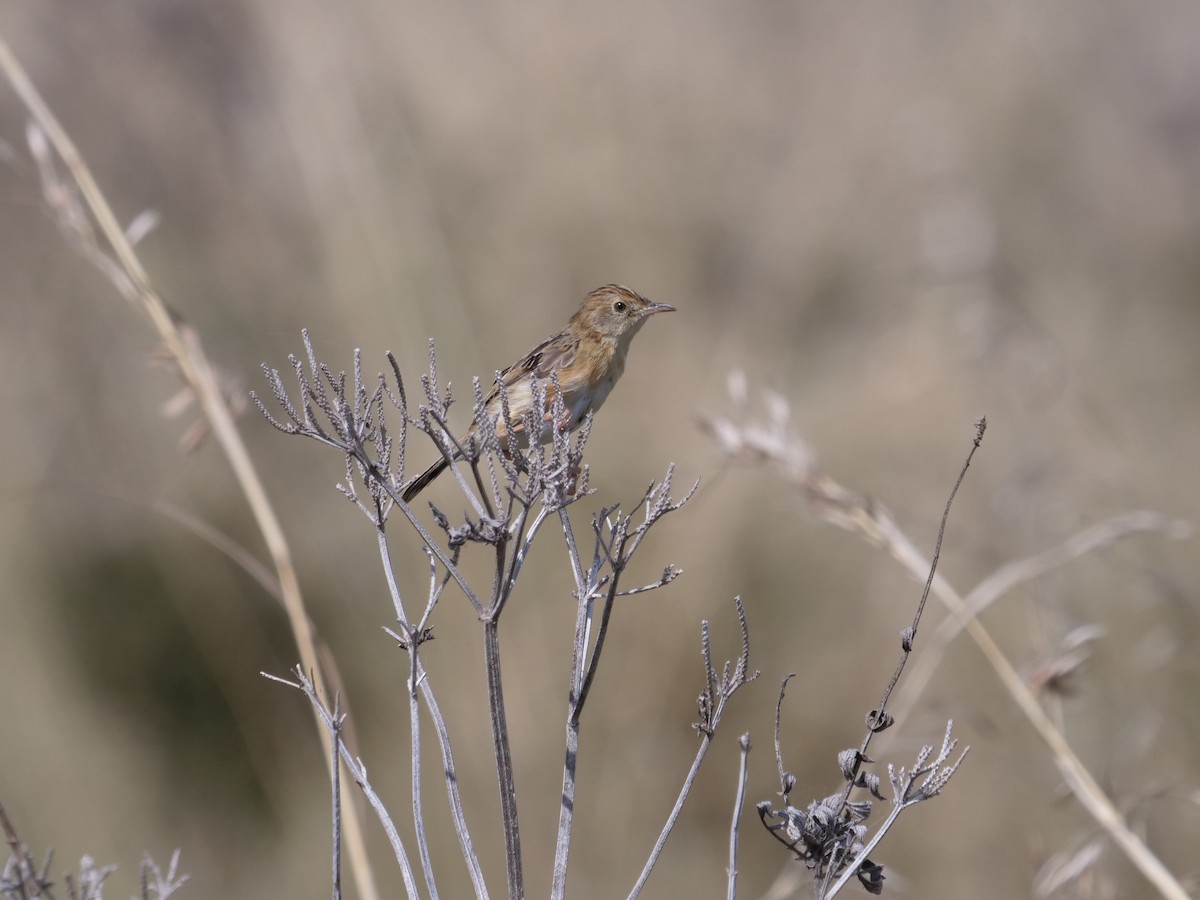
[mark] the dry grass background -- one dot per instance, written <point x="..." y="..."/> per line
<point x="899" y="216"/>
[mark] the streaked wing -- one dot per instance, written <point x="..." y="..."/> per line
<point x="551" y="354"/>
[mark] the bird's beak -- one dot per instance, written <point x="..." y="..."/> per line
<point x="657" y="308"/>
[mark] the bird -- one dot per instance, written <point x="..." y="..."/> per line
<point x="587" y="357"/>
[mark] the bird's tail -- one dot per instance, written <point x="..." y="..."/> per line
<point x="419" y="483"/>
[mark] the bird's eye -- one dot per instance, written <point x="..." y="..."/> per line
<point x="619" y="306"/>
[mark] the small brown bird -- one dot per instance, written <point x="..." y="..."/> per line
<point x="588" y="357"/>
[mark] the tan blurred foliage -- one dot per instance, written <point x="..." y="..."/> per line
<point x="899" y="216"/>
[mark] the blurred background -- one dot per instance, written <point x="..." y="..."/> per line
<point x="899" y="217"/>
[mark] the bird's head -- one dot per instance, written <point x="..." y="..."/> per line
<point x="616" y="312"/>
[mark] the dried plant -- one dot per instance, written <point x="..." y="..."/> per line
<point x="511" y="494"/>
<point x="830" y="836"/>
<point x="770" y="439"/>
<point x="23" y="879"/>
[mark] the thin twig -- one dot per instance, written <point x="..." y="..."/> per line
<point x="879" y="718"/>
<point x="412" y="644"/>
<point x="335" y="742"/>
<point x="504" y="763"/>
<point x="414" y="717"/>
<point x="358" y="772"/>
<point x="684" y="791"/>
<point x="828" y="836"/>
<point x="739" y="803"/>
<point x="786" y="780"/>
<point x="455" y="799"/>
<point x="713" y="700"/>
<point x="566" y="809"/>
<point x="613" y="553"/>
<point x="417" y="678"/>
